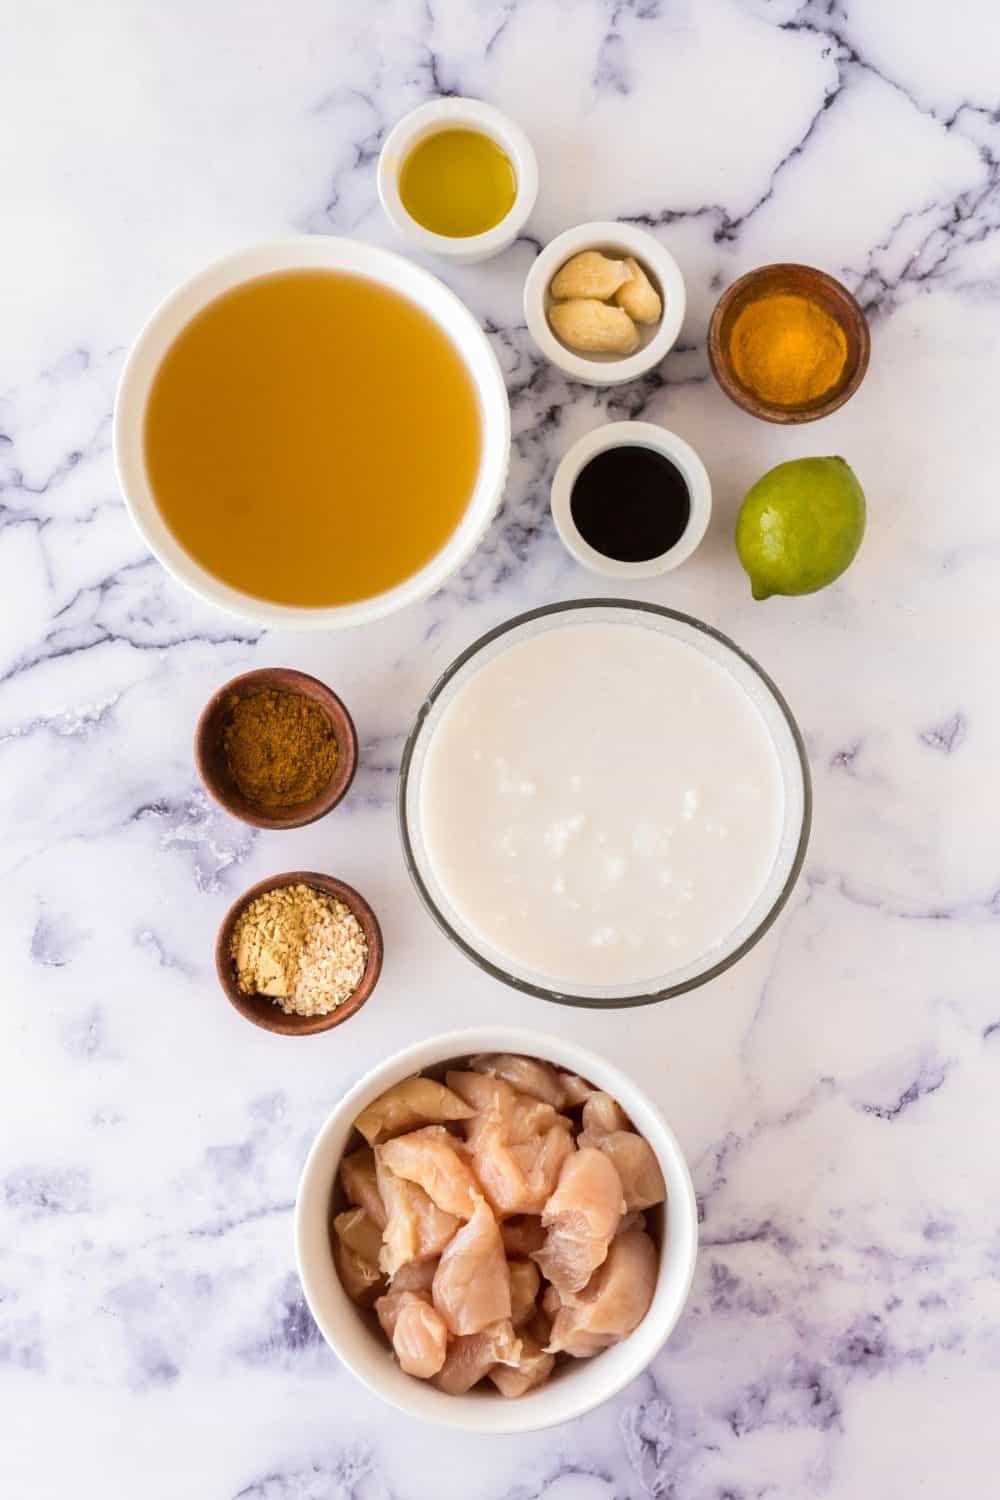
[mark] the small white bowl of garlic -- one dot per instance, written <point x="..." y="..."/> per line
<point x="343" y="1311"/>
<point x="605" y="302"/>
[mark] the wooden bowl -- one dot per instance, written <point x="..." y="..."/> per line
<point x="824" y="290"/>
<point x="213" y="767"/>
<point x="261" y="1009"/>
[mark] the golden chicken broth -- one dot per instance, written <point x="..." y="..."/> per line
<point x="312" y="438"/>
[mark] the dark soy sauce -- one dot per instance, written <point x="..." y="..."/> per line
<point x="630" y="503"/>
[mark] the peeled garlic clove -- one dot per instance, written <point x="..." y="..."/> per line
<point x="638" y="296"/>
<point x="589" y="274"/>
<point x="593" y="327"/>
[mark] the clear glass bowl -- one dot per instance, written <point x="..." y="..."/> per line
<point x="788" y="746"/>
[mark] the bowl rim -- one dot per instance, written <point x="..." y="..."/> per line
<point x="596" y="235"/>
<point x="474" y="1412"/>
<point x="634" y="435"/>
<point x="310" y="252"/>
<point x="282" y="1024"/>
<point x="754" y="405"/>
<point x="428" y="119"/>
<point x="561" y="997"/>
<point x="286" y="680"/>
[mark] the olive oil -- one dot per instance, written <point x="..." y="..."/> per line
<point x="312" y="438"/>
<point x="457" y="183"/>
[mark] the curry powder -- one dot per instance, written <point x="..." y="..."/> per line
<point x="280" y="747"/>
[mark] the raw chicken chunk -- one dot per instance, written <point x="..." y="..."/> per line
<point x="614" y="1302"/>
<point x="531" y="1117"/>
<point x="534" y="1366"/>
<point x="493" y="1099"/>
<point x="601" y="1115"/>
<point x="472" y="1284"/>
<point x="360" y="1234"/>
<point x="517" y="1143"/>
<point x="541" y="1160"/>
<point x="420" y="1338"/>
<point x="417" y="1276"/>
<point x="415" y="1101"/>
<point x="551" y="1303"/>
<point x="576" y="1090"/>
<point x="580" y="1217"/>
<point x="416" y="1229"/>
<point x="428" y="1157"/>
<point x="361" y="1281"/>
<point x="492" y="1102"/>
<point x="630" y="1221"/>
<point x="388" y="1308"/>
<point x="357" y="1174"/>
<point x="526" y="1074"/>
<point x="519" y="1179"/>
<point x="636" y="1164"/>
<point x="474" y="1355"/>
<point x="525" y="1283"/>
<point x="522" y="1235"/>
<point x="538" y="1327"/>
<point x="498" y="1173"/>
<point x="483" y="1094"/>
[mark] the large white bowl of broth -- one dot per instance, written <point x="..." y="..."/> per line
<point x="604" y="802"/>
<point x="312" y="433"/>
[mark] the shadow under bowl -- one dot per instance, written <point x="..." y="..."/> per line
<point x="803" y="281"/>
<point x="213" y="766"/>
<point x="261" y="1009"/>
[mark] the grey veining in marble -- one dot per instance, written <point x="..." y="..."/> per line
<point x="837" y="1092"/>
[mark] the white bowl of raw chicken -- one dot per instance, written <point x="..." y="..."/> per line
<point x="576" y="1386"/>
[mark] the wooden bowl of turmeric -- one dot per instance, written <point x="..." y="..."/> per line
<point x="788" y="343"/>
<point x="276" y="748"/>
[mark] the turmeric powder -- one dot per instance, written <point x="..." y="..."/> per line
<point x="787" y="350"/>
<point x="280" y="747"/>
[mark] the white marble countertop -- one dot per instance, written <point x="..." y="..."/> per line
<point x="835" y="1091"/>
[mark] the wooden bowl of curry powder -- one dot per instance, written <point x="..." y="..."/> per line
<point x="276" y="748"/>
<point x="788" y="343"/>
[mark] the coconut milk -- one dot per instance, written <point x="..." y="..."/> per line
<point x="601" y="804"/>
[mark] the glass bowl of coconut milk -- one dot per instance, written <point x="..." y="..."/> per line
<point x="604" y="802"/>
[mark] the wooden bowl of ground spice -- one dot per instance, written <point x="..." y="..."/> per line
<point x="276" y="748"/>
<point x="299" y="953"/>
<point x="788" y="343"/>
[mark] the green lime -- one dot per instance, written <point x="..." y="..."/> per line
<point x="800" y="526"/>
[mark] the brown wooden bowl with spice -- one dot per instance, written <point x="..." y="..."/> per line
<point x="276" y="748"/>
<point x="788" y="343"/>
<point x="265" y="931"/>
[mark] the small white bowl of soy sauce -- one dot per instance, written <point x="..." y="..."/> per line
<point x="631" y="500"/>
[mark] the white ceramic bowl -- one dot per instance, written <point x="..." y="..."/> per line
<point x="311" y="252"/>
<point x="637" y="435"/>
<point x="577" y="1386"/>
<point x="616" y="240"/>
<point x="458" y="114"/>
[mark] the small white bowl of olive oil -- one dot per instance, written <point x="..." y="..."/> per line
<point x="312" y="433"/>
<point x="458" y="178"/>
